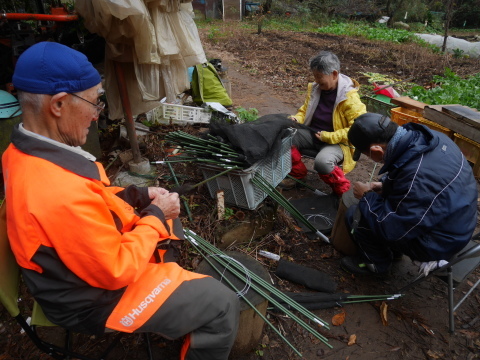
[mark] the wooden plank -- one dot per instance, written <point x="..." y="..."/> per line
<point x="463" y="113"/>
<point x="434" y="113"/>
<point x="408" y="103"/>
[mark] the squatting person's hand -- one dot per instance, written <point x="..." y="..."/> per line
<point x="359" y="188"/>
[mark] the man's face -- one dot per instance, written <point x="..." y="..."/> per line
<point x="80" y="112"/>
<point x="326" y="82"/>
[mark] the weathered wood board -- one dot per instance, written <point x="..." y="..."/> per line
<point x="408" y="103"/>
<point x="463" y="113"/>
<point x="436" y="114"/>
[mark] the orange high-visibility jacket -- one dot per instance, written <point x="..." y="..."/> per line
<point x="79" y="242"/>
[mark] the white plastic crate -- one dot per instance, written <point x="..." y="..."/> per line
<point x="180" y="114"/>
<point x="236" y="185"/>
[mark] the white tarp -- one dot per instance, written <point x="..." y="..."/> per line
<point x="155" y="40"/>
<point x="471" y="49"/>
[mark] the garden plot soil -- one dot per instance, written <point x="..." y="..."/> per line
<point x="269" y="72"/>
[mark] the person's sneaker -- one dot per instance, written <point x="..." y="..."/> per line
<point x="355" y="266"/>
<point x="288" y="184"/>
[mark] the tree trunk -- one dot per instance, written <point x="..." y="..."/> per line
<point x="266" y="6"/>
<point x="448" y="18"/>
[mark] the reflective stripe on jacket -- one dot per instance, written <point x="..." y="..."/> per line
<point x="79" y="242"/>
<point x="429" y="195"/>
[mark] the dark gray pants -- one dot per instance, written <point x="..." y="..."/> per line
<point x="204" y="308"/>
<point x="328" y="155"/>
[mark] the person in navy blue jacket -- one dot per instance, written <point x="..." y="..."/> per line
<point x="425" y="205"/>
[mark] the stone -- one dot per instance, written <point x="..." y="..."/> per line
<point x="257" y="224"/>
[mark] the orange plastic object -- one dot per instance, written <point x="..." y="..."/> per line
<point x="39" y="17"/>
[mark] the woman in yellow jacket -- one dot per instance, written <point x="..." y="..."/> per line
<point x="331" y="106"/>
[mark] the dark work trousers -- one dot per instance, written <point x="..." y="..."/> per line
<point x="375" y="250"/>
<point x="371" y="248"/>
<point x="328" y="155"/>
<point x="206" y="310"/>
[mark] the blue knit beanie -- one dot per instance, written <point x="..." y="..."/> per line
<point x="51" y="68"/>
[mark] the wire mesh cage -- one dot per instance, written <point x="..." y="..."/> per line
<point x="236" y="185"/>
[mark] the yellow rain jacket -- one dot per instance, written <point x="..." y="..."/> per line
<point x="347" y="108"/>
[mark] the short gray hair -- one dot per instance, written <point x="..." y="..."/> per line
<point x="325" y="62"/>
<point x="31" y="101"/>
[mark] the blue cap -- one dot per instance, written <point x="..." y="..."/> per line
<point x="51" y="68"/>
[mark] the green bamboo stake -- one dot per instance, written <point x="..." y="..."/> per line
<point x="263" y="184"/>
<point x="185" y="203"/>
<point x="249" y="303"/>
<point x="268" y="297"/>
<point x="259" y="280"/>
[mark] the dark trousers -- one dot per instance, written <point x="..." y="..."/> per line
<point x="375" y="250"/>
<point x="204" y="308"/>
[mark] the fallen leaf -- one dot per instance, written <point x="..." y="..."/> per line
<point x="279" y="240"/>
<point x="470" y="334"/>
<point x="352" y="340"/>
<point x="427" y="329"/>
<point x="396" y="348"/>
<point x="339" y="319"/>
<point x="434" y="355"/>
<point x="383" y="313"/>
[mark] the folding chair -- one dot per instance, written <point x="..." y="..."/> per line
<point x="454" y="273"/>
<point x="9" y="290"/>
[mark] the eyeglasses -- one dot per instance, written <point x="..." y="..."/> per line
<point x="99" y="106"/>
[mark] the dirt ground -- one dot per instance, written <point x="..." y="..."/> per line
<point x="269" y="72"/>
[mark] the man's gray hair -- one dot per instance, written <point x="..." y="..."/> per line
<point x="325" y="62"/>
<point x="31" y="101"/>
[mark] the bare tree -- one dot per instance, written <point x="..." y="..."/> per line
<point x="392" y="7"/>
<point x="448" y="18"/>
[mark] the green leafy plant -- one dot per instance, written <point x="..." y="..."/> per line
<point x="369" y="31"/>
<point x="458" y="53"/>
<point x="450" y="89"/>
<point x="228" y="213"/>
<point x="382" y="80"/>
<point x="247" y="115"/>
<point x="148" y="123"/>
<point x="259" y="352"/>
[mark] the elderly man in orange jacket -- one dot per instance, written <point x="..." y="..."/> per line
<point x="85" y="248"/>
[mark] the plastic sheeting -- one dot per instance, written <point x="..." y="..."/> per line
<point x="469" y="48"/>
<point x="155" y="40"/>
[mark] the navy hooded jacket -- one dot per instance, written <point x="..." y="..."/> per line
<point x="429" y="195"/>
